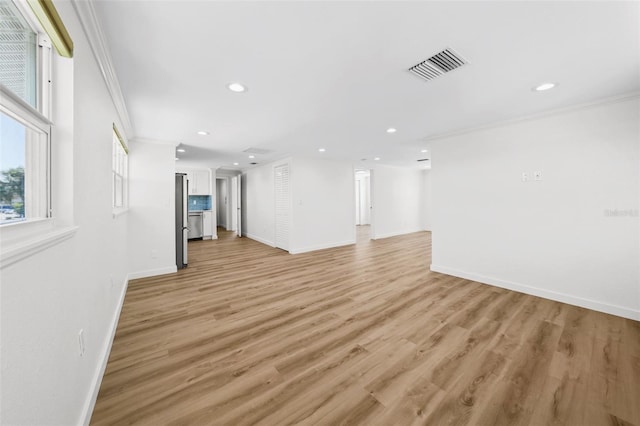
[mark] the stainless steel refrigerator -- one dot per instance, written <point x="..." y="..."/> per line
<point x="182" y="216"/>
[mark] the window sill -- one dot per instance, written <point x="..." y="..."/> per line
<point x="34" y="237"/>
<point x="119" y="212"/>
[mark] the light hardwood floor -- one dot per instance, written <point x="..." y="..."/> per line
<point x="363" y="334"/>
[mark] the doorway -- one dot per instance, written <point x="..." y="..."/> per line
<point x="222" y="199"/>
<point x="229" y="202"/>
<point x="364" y="206"/>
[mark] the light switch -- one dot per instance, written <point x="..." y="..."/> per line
<point x="537" y="175"/>
<point x="525" y="176"/>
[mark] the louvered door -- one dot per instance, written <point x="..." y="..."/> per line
<point x="283" y="206"/>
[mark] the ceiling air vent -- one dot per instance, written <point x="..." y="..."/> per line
<point x="258" y="151"/>
<point x="438" y="64"/>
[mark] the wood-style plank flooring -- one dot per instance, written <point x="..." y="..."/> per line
<point x="362" y="334"/>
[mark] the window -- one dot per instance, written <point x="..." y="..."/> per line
<point x="17" y="53"/>
<point x="24" y="128"/>
<point x="29" y="30"/>
<point x="120" y="166"/>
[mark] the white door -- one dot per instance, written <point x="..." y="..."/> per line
<point x="365" y="201"/>
<point x="283" y="206"/>
<point x="239" y="211"/>
<point x="233" y="206"/>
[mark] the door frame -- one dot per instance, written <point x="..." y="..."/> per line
<point x="371" y="199"/>
<point x="275" y="208"/>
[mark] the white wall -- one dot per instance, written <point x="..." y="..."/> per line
<point x="152" y="209"/>
<point x="47" y="298"/>
<point x="323" y="204"/>
<point x="259" y="209"/>
<point x="397" y="195"/>
<point x="323" y="211"/>
<point x="551" y="237"/>
<point x="426" y="199"/>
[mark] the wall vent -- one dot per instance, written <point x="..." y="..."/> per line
<point x="437" y="65"/>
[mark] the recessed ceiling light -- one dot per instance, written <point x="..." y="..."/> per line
<point x="236" y="164"/>
<point x="425" y="150"/>
<point x="236" y="87"/>
<point x="544" y="86"/>
<point x="181" y="150"/>
<point x="252" y="156"/>
<point x="203" y="133"/>
<point x="391" y="130"/>
<point x="321" y="150"/>
<point x="376" y="159"/>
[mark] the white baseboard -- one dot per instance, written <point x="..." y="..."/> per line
<point x="153" y="272"/>
<point x="394" y="234"/>
<point x="260" y="240"/>
<point x="595" y="305"/>
<point x="106" y="351"/>
<point x="322" y="247"/>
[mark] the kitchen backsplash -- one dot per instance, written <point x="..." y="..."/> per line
<point x="199" y="202"/>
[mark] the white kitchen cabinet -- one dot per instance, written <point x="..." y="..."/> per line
<point x="202" y="182"/>
<point x="207" y="226"/>
<point x="199" y="182"/>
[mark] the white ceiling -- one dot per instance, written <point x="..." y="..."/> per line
<point x="334" y="74"/>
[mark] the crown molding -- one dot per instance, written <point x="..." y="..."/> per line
<point x="92" y="29"/>
<point x="572" y="108"/>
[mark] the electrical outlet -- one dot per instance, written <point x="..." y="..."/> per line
<point x="537" y="175"/>
<point x="154" y="254"/>
<point x="81" y="342"/>
<point x="525" y="176"/>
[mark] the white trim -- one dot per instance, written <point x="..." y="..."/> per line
<point x="595" y="305"/>
<point x="260" y="240"/>
<point x="322" y="247"/>
<point x="396" y="234"/>
<point x="90" y="403"/>
<point x="25" y="249"/>
<point x="20" y="110"/>
<point x="153" y="272"/>
<point x="573" y="108"/>
<point x="119" y="211"/>
<point x="91" y="26"/>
